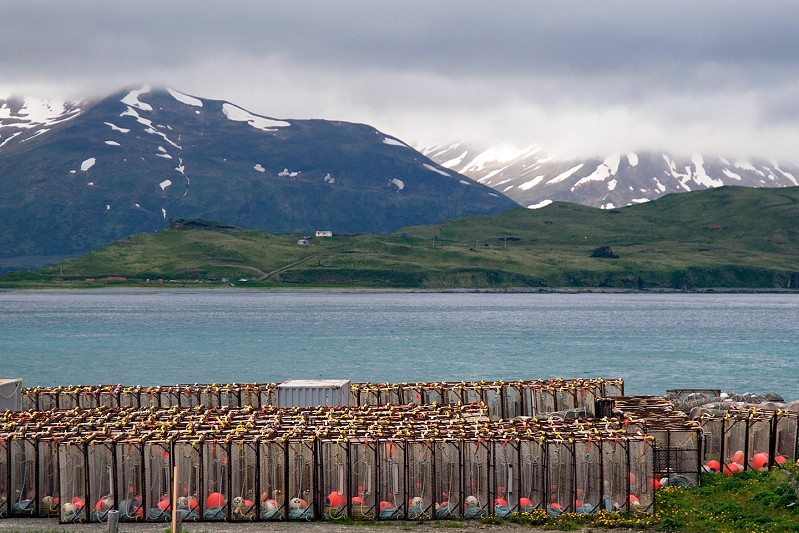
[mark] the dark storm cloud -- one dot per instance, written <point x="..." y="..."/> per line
<point x="622" y="63"/>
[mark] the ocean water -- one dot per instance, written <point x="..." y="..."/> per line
<point x="739" y="342"/>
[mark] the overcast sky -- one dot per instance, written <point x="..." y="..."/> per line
<point x="577" y="78"/>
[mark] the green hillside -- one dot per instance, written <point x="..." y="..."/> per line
<point x="730" y="237"/>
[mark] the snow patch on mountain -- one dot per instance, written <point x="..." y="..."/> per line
<point x="399" y="184"/>
<point x="612" y="184"/>
<point x="434" y="169"/>
<point x="112" y="143"/>
<point x="116" y="128"/>
<point x="565" y="175"/>
<point x="238" y="114"/>
<point x="164" y="184"/>
<point x="287" y="173"/>
<point x="700" y="176"/>
<point x="394" y="142"/>
<point x="608" y="168"/>
<point x="539" y="205"/>
<point x="730" y="174"/>
<point x="88" y="163"/>
<point x="259" y="168"/>
<point x="185" y="98"/>
<point x="454" y="162"/>
<point x="632" y="158"/>
<point x="464" y="182"/>
<point x="132" y="99"/>
<point x="329" y="179"/>
<point x="165" y="156"/>
<point x="527" y="185"/>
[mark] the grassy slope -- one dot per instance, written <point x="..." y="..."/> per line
<point x="665" y="243"/>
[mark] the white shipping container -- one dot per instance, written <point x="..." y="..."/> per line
<point x="314" y="393"/>
<point x="10" y="394"/>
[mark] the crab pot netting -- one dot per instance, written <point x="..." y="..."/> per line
<point x="209" y="398"/>
<point x="68" y="399"/>
<point x="101" y="480"/>
<point x="448" y="487"/>
<point x="493" y="400"/>
<point x="23" y="477"/>
<point x="129" y="397"/>
<point x="585" y="398"/>
<point x="300" y="481"/>
<point x="215" y="480"/>
<point x="29" y="400"/>
<point x="560" y="487"/>
<point x="158" y="481"/>
<point x="677" y="453"/>
<point x="89" y="398"/>
<point x="614" y="387"/>
<point x="787" y="435"/>
<point x="47" y="401"/>
<point x="362" y="480"/>
<point x="588" y="476"/>
<point x="419" y="476"/>
<point x="108" y="397"/>
<point x="190" y="397"/>
<point x="513" y="402"/>
<point x="47" y="489"/>
<point x="249" y="396"/>
<point x="712" y="430"/>
<point x="391" y="480"/>
<point x="506" y="472"/>
<point x="391" y="395"/>
<point x="333" y="478"/>
<point x="267" y="397"/>
<point x="229" y="397"/>
<point x="733" y="440"/>
<point x="73" y="482"/>
<point x="169" y="397"/>
<point x="434" y="394"/>
<point x="545" y="401"/>
<point x="149" y="398"/>
<point x="187" y="458"/>
<point x="531" y="475"/>
<point x="369" y="395"/>
<point x="472" y="394"/>
<point x="476" y="489"/>
<point x="759" y="438"/>
<point x="641" y="461"/>
<point x="565" y="398"/>
<point x="5" y="501"/>
<point x="243" y="480"/>
<point x="272" y="477"/>
<point x="130" y="481"/>
<point x="615" y="475"/>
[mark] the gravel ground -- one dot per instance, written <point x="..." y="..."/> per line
<point x="48" y="525"/>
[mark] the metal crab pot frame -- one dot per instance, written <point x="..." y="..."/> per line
<point x="68" y="399"/>
<point x="130" y="488"/>
<point x="560" y="487"/>
<point x="391" y="484"/>
<point x="333" y="474"/>
<point x="272" y="460"/>
<point x="215" y="480"/>
<point x="129" y="397"/>
<point x="477" y="491"/>
<point x="158" y="481"/>
<point x="495" y="403"/>
<point x="22" y="478"/>
<point x="101" y="496"/>
<point x="362" y="480"/>
<point x="301" y="481"/>
<point x="47" y="488"/>
<point x="190" y="396"/>
<point x="587" y="476"/>
<point x="73" y="482"/>
<point x="448" y="470"/>
<point x="150" y="397"/>
<point x="187" y="456"/>
<point x="108" y="397"/>
<point x="512" y="400"/>
<point x="88" y="398"/>
<point x="677" y="454"/>
<point x="267" y="397"/>
<point x="419" y="476"/>
<point x="531" y="475"/>
<point x="641" y="463"/>
<point x="169" y="397"/>
<point x="243" y="466"/>
<point x="565" y="398"/>
<point x="506" y="477"/>
<point x="615" y="475"/>
<point x="786" y="435"/>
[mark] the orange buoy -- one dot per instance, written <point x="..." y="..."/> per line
<point x="385" y="505"/>
<point x="215" y="499"/>
<point x="713" y="466"/>
<point x="738" y="457"/>
<point x="731" y="468"/>
<point x="525" y="502"/>
<point x="358" y="499"/>
<point x="760" y="460"/>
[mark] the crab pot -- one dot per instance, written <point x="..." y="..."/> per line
<point x="189" y="397"/>
<point x="243" y="480"/>
<point x="565" y="398"/>
<point x="368" y="395"/>
<point x="299" y="478"/>
<point x="68" y="399"/>
<point x="433" y="394"/>
<point x="158" y="481"/>
<point x="453" y="394"/>
<point x="677" y="455"/>
<point x="108" y="397"/>
<point x="334" y="479"/>
<point x="472" y="394"/>
<point x="267" y="396"/>
<point x="130" y="481"/>
<point x="187" y="458"/>
<point x="786" y="435"/>
<point x="47" y="487"/>
<point x="588" y="476"/>
<point x="615" y="475"/>
<point x="585" y="397"/>
<point x="169" y="397"/>
<point x="712" y="430"/>
<point x="545" y="401"/>
<point x="73" y="482"/>
<point x="413" y="394"/>
<point x="505" y="477"/>
<point x="272" y="465"/>
<point x="249" y="396"/>
<point x="560" y="487"/>
<point x="390" y="395"/>
<point x="758" y="437"/>
<point x="150" y="397"/>
<point x="613" y="387"/>
<point x="29" y="400"/>
<point x="476" y="489"/>
<point x="733" y="441"/>
<point x="215" y="480"/>
<point x="448" y="497"/>
<point x="363" y="479"/>
<point x="641" y="461"/>
<point x="23" y="477"/>
<point x="493" y="398"/>
<point x="229" y="397"/>
<point x="529" y="392"/>
<point x="47" y="400"/>
<point x="209" y="397"/>
<point x="531" y="475"/>
<point x="513" y="402"/>
<point x="129" y="397"/>
<point x="89" y="398"/>
<point x="101" y="480"/>
<point x="391" y="480"/>
<point x="5" y="501"/>
<point x="419" y="474"/>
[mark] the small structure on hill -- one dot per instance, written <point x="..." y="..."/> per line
<point x="325" y="233"/>
<point x="304" y="242"/>
<point x="605" y="252"/>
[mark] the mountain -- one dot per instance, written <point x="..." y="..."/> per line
<point x="535" y="179"/>
<point x="80" y="175"/>
<point x="726" y="237"/>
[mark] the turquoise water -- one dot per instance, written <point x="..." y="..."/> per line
<point x="740" y="342"/>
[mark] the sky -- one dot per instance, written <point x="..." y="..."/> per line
<point x="577" y="78"/>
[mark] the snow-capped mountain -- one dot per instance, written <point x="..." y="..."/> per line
<point x="75" y="176"/>
<point x="535" y="179"/>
